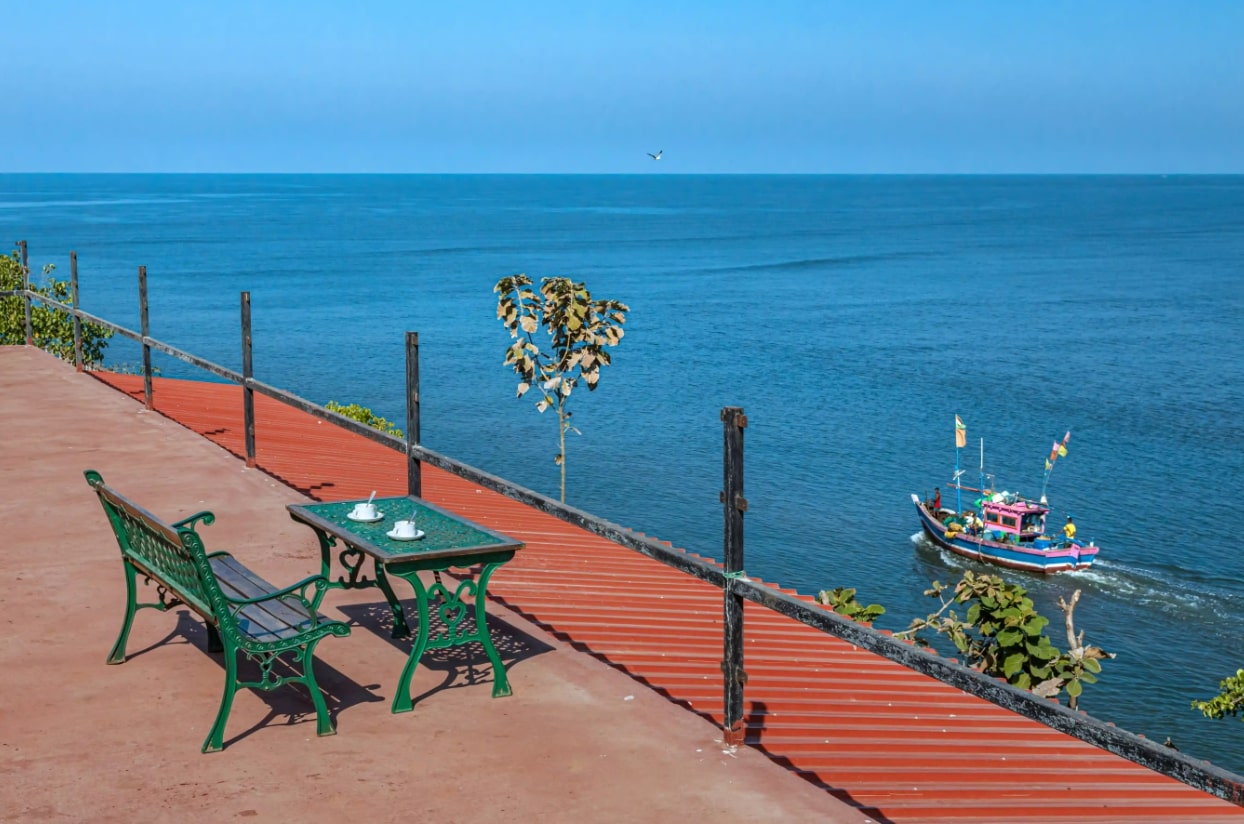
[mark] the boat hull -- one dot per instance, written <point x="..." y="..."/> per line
<point x="1053" y="559"/>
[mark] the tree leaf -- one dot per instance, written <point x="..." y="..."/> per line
<point x="1010" y="637"/>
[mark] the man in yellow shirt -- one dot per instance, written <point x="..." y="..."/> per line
<point x="1069" y="529"/>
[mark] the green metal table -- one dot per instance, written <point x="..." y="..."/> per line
<point x="448" y="541"/>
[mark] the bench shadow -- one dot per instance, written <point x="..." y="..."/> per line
<point x="458" y="667"/>
<point x="291" y="702"/>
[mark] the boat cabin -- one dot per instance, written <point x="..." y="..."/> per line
<point x="1017" y="519"/>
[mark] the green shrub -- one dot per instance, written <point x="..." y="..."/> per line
<point x="365" y="416"/>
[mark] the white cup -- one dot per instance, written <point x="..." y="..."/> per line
<point x="364" y="510"/>
<point x="404" y="529"/>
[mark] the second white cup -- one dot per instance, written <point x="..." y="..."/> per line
<point x="404" y="529"/>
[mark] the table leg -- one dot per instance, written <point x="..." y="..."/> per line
<point x="327" y="542"/>
<point x="400" y="628"/>
<point x="452" y="610"/>
<point x="350" y="558"/>
<point x="500" y="681"/>
<point x="401" y="698"/>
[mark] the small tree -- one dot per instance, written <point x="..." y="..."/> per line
<point x="579" y="331"/>
<point x="52" y="329"/>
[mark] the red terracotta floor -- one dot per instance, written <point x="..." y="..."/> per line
<point x="900" y="745"/>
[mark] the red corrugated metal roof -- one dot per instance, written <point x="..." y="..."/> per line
<point x="902" y="746"/>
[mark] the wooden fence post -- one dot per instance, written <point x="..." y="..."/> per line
<point x="145" y="330"/>
<point x="414" y="468"/>
<point x="77" y="321"/>
<point x="733" y="507"/>
<point x="30" y="335"/>
<point x="248" y="394"/>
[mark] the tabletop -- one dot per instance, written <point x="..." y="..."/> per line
<point x="445" y="534"/>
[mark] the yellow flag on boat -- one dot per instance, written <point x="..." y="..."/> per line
<point x="1048" y="464"/>
<point x="961" y="433"/>
<point x="1062" y="451"/>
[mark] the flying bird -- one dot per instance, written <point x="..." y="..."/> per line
<point x="656" y="156"/>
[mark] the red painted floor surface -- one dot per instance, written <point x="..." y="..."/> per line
<point x="902" y="746"/>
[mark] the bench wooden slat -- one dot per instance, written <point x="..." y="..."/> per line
<point x="276" y="619"/>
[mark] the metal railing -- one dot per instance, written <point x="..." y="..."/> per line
<point x="729" y="577"/>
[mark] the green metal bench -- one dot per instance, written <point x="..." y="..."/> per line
<point x="244" y="613"/>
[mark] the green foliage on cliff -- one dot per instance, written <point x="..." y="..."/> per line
<point x="52" y="329"/>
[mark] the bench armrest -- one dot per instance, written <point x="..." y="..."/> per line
<point x="297" y="589"/>
<point x="188" y="523"/>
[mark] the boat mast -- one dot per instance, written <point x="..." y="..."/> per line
<point x="958" y="483"/>
<point x="961" y="440"/>
<point x="982" y="480"/>
<point x="1056" y="452"/>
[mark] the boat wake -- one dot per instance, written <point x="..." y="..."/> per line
<point x="1176" y="591"/>
<point x="1186" y="594"/>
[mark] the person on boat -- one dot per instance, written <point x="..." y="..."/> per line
<point x="1069" y="530"/>
<point x="937" y="499"/>
<point x="972" y="522"/>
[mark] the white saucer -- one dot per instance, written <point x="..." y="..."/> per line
<point x="419" y="533"/>
<point x="379" y="517"/>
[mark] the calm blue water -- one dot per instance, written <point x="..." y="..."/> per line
<point x="852" y="317"/>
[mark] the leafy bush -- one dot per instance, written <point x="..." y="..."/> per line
<point x="365" y="416"/>
<point x="1229" y="701"/>
<point x="52" y="329"/>
<point x="842" y="601"/>
<point x="1001" y="635"/>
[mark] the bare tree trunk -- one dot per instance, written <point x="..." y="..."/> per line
<point x="561" y="434"/>
<point x="1075" y="646"/>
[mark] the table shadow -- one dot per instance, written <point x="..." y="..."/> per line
<point x="460" y="666"/>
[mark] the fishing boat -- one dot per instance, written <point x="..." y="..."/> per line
<point x="1001" y="527"/>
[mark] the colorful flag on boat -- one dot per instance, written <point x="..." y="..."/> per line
<point x="1058" y="450"/>
<point x="961" y="433"/>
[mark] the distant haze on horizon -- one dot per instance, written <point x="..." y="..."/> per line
<point x="593" y="87"/>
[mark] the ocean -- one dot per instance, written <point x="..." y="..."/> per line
<point x="851" y="317"/>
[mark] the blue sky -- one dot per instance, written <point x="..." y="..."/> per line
<point x="587" y="87"/>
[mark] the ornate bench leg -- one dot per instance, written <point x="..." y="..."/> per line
<point x="323" y="722"/>
<point x="215" y="738"/>
<point x="117" y="655"/>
